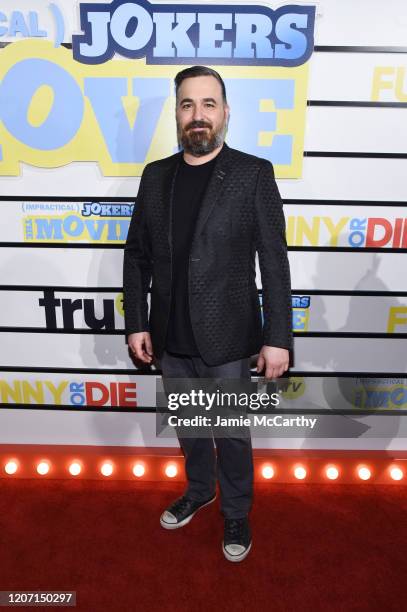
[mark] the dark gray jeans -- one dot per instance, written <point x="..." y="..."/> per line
<point x="232" y="463"/>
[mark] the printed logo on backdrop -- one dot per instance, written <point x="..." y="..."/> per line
<point x="108" y="222"/>
<point x="336" y="230"/>
<point x="69" y="392"/>
<point x="101" y="222"/>
<point x="397" y="319"/>
<point x="370" y="394"/>
<point x="82" y="313"/>
<point x="300" y="311"/>
<point x="110" y="99"/>
<point x="102" y="311"/>
<point x="76" y="391"/>
<point x="106" y="313"/>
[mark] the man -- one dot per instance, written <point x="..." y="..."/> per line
<point x="201" y="215"/>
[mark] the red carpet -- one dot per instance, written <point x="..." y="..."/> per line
<point x="315" y="547"/>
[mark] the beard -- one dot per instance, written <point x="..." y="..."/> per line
<point x="201" y="142"/>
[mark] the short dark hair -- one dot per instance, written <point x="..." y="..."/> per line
<point x="195" y="71"/>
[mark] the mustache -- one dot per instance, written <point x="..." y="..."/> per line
<point x="197" y="124"/>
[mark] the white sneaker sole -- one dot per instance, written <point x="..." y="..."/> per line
<point x="186" y="520"/>
<point x="236" y="558"/>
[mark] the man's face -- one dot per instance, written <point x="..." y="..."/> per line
<point x="201" y="115"/>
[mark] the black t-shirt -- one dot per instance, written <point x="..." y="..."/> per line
<point x="189" y="188"/>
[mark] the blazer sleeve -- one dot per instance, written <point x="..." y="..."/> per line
<point x="137" y="267"/>
<point x="271" y="246"/>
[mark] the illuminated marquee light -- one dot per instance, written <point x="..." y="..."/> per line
<point x="396" y="473"/>
<point x="43" y="468"/>
<point x="364" y="472"/>
<point x="11" y="467"/>
<point x="171" y="470"/>
<point x="267" y="472"/>
<point x="107" y="469"/>
<point x="158" y="468"/>
<point x="300" y="472"/>
<point x="75" y="468"/>
<point x="250" y="34"/>
<point x="332" y="472"/>
<point x="139" y="469"/>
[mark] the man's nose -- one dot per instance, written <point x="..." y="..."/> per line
<point x="197" y="114"/>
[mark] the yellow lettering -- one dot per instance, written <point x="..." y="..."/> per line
<point x="400" y="95"/>
<point x="311" y="233"/>
<point x="10" y="392"/>
<point x="29" y="392"/>
<point x="396" y="318"/>
<point x="333" y="229"/>
<point x="57" y="391"/>
<point x="379" y="83"/>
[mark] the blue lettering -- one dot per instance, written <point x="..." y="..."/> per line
<point x="293" y="38"/>
<point x="249" y="41"/>
<point x="49" y="229"/>
<point x="281" y="91"/>
<point x="73" y="226"/>
<point x="399" y="396"/>
<point x="3" y="29"/>
<point x="231" y="34"/>
<point x="16" y="92"/>
<point x="95" y="228"/>
<point x="210" y="35"/>
<point x="173" y="40"/>
<point x="33" y="21"/>
<point x="106" y="94"/>
<point x="17" y="24"/>
<point x="121" y="20"/>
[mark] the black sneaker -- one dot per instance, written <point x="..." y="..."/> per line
<point x="180" y="512"/>
<point x="237" y="540"/>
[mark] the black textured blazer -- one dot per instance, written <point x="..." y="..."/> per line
<point x="241" y="213"/>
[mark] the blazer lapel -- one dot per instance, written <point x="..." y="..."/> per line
<point x="168" y="193"/>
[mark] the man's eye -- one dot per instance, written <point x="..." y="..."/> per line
<point x="209" y="104"/>
<point x="185" y="105"/>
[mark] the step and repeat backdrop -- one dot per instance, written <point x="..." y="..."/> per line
<point x="87" y="99"/>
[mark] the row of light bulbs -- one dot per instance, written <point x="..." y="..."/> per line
<point x="332" y="472"/>
<point x="300" y="472"/>
<point x="75" y="468"/>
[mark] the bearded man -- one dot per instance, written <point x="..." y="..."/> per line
<point x="201" y="215"/>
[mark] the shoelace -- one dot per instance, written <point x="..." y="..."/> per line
<point x="181" y="504"/>
<point x="234" y="528"/>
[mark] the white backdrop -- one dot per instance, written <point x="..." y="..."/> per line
<point x="354" y="167"/>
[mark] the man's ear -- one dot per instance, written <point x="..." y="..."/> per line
<point x="227" y="114"/>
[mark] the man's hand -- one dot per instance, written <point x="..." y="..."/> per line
<point x="141" y="347"/>
<point x="274" y="359"/>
